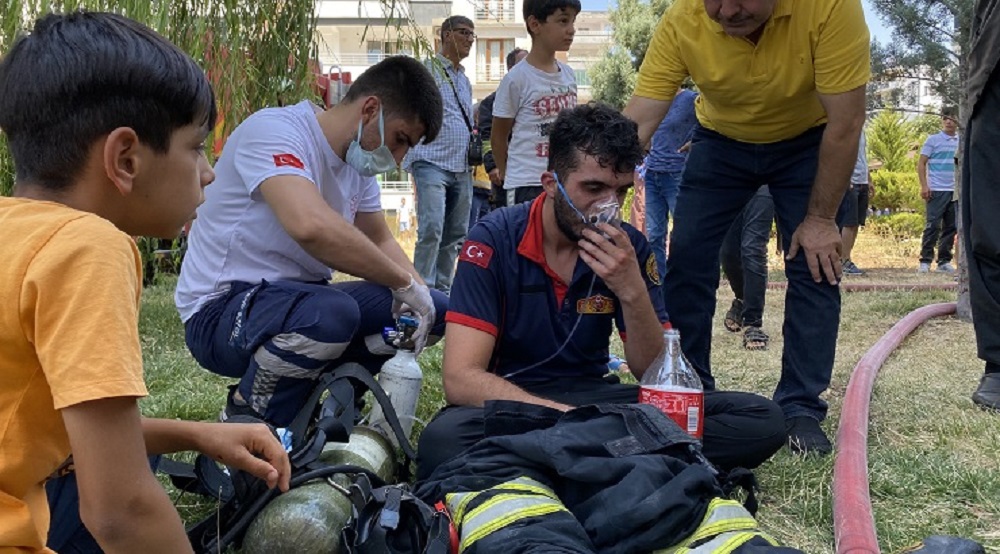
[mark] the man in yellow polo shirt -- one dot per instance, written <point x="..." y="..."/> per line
<point x="782" y="103"/>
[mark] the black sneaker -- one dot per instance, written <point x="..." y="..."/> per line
<point x="805" y="436"/>
<point x="848" y="268"/>
<point x="987" y="395"/>
<point x="236" y="407"/>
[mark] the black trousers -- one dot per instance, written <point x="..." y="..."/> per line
<point x="980" y="206"/>
<point x="741" y="429"/>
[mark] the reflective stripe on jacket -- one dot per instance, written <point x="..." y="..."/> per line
<point x="727" y="525"/>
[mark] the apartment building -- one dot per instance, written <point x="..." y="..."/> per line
<point x="911" y="94"/>
<point x="353" y="35"/>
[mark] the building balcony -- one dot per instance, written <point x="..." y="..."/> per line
<point x="363" y="10"/>
<point x="592" y="37"/>
<point x="490" y="72"/>
<point x="496" y="10"/>
<point x="362" y="59"/>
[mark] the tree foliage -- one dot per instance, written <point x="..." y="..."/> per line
<point x="613" y="77"/>
<point x="928" y="44"/>
<point x="634" y="22"/>
<point x="893" y="140"/>
<point x="254" y="52"/>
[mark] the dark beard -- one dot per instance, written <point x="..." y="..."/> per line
<point x="566" y="217"/>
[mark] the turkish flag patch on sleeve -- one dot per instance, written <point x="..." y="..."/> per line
<point x="476" y="253"/>
<point x="288" y="159"/>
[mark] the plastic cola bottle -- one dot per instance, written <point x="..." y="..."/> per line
<point x="672" y="385"/>
<point x="400" y="378"/>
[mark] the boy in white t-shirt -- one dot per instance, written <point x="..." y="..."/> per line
<point x="530" y="97"/>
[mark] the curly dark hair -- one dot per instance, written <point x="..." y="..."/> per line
<point x="595" y="130"/>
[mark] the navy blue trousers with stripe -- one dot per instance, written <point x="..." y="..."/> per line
<point x="279" y="337"/>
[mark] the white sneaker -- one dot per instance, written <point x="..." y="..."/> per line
<point x="946" y="268"/>
<point x="924" y="267"/>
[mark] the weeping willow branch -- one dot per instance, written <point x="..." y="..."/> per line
<point x="254" y="53"/>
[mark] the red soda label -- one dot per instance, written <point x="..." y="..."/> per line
<point x="685" y="406"/>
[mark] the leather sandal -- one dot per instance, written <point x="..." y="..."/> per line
<point x="734" y="317"/>
<point x="754" y="338"/>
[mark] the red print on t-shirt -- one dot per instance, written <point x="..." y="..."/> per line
<point x="288" y="159"/>
<point x="550" y="106"/>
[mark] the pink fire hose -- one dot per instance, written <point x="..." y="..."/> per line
<point x="853" y="523"/>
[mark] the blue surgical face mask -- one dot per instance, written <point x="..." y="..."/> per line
<point x="371" y="163"/>
<point x="603" y="212"/>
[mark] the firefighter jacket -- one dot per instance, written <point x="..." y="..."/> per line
<point x="611" y="479"/>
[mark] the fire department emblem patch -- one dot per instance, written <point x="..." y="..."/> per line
<point x="651" y="270"/>
<point x="597" y="304"/>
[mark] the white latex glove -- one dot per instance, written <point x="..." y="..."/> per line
<point x="415" y="298"/>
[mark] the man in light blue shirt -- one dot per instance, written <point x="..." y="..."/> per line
<point x="936" y="170"/>
<point x="441" y="172"/>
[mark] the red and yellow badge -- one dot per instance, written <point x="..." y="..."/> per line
<point x="651" y="270"/>
<point x="597" y="304"/>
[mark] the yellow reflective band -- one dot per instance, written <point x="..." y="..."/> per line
<point x="719" y="527"/>
<point x="725" y="543"/>
<point x="526" y="484"/>
<point x="735" y="541"/>
<point x="542" y="507"/>
<point x="457" y="503"/>
<point x="486" y="511"/>
<point x="722" y="518"/>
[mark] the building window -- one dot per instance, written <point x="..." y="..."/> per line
<point x="496" y="10"/>
<point x="491" y="63"/>
<point x="379" y="49"/>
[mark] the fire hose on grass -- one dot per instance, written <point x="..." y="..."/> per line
<point x="853" y="522"/>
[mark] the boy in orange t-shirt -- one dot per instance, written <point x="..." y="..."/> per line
<point x="107" y="141"/>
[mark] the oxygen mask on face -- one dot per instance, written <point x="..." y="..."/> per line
<point x="604" y="212"/>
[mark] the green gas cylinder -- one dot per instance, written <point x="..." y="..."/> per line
<point x="309" y="518"/>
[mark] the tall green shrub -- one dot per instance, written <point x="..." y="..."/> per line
<point x="893" y="140"/>
<point x="898" y="191"/>
<point x="252" y="51"/>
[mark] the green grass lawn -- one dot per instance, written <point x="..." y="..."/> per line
<point x="934" y="458"/>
